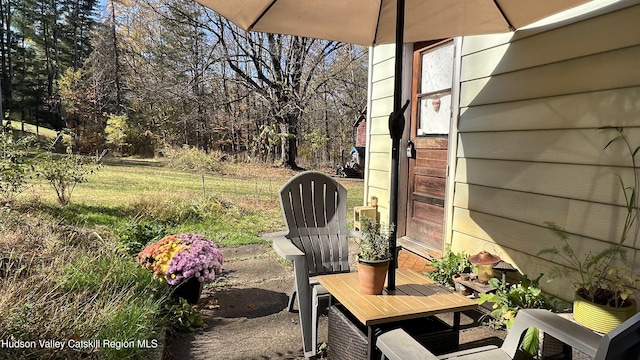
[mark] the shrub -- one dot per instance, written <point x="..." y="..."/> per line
<point x="134" y="236"/>
<point x="508" y="299"/>
<point x="65" y="172"/>
<point x="183" y="317"/>
<point x="16" y="164"/>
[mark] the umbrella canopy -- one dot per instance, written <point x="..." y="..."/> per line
<point x="372" y="22"/>
<point x="368" y="22"/>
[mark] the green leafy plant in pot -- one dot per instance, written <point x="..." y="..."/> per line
<point x="604" y="291"/>
<point x="604" y="286"/>
<point x="374" y="256"/>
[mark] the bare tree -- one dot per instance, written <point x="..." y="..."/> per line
<point x="281" y="70"/>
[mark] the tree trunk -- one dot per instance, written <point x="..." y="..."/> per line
<point x="290" y="142"/>
<point x="116" y="55"/>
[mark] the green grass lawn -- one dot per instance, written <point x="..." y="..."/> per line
<point x="39" y="130"/>
<point x="230" y="209"/>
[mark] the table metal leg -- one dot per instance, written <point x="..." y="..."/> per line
<point x="370" y="342"/>
<point x="456" y="327"/>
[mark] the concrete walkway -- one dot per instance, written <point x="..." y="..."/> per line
<point x="246" y="317"/>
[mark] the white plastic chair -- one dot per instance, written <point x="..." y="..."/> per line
<point x="314" y="207"/>
<point x="622" y="343"/>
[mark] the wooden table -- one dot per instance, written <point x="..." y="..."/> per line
<point x="415" y="296"/>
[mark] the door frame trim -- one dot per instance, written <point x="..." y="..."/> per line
<point x="452" y="160"/>
<point x="452" y="148"/>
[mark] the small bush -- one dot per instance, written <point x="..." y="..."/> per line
<point x="183" y="317"/>
<point x="508" y="299"/>
<point x="134" y="236"/>
<point x="16" y="164"/>
<point x="65" y="172"/>
<point x="448" y="265"/>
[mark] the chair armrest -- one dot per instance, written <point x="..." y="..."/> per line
<point x="399" y="345"/>
<point x="283" y="246"/>
<point x="566" y="331"/>
<point x="354" y="233"/>
<point x="272" y="235"/>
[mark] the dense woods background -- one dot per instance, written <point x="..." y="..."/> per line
<point x="141" y="76"/>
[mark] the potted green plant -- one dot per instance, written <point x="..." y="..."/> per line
<point x="449" y="268"/>
<point x="604" y="287"/>
<point x="603" y="298"/>
<point x="373" y="256"/>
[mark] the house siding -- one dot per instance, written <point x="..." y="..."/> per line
<point x="377" y="177"/>
<point x="529" y="149"/>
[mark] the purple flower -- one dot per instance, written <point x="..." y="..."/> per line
<point x="199" y="257"/>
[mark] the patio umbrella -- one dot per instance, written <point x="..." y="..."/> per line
<point x="373" y="22"/>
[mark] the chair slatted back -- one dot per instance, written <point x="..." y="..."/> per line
<point x="314" y="207"/>
<point x="621" y="343"/>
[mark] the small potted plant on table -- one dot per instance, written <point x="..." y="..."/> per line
<point x="374" y="257"/>
<point x="184" y="261"/>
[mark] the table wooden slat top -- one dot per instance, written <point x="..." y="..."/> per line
<point x="415" y="296"/>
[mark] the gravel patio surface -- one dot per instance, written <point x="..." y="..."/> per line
<point x="245" y="314"/>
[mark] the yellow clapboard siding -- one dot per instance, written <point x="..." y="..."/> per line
<point x="596" y="220"/>
<point x="586" y="110"/>
<point x="383" y="70"/>
<point x="380" y="143"/>
<point x="520" y="236"/>
<point x="379" y="179"/>
<point x="590" y="183"/>
<point x="382" y="89"/>
<point x="475" y="43"/>
<point x="380" y="126"/>
<point x="617" y="30"/>
<point x="578" y="146"/>
<point x="382" y="107"/>
<point x="592" y="73"/>
<point x="380" y="161"/>
<point x="383" y="52"/>
<point x="528" y="146"/>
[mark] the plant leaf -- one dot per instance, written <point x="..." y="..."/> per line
<point x="612" y="140"/>
<point x="530" y="341"/>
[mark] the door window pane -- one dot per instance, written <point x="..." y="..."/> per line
<point x="435" y="113"/>
<point x="434" y="95"/>
<point x="437" y="69"/>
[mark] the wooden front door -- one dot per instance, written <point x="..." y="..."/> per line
<point x="431" y="117"/>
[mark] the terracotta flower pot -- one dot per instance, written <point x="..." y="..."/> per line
<point x="372" y="275"/>
<point x="598" y="317"/>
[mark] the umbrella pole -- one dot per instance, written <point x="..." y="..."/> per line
<point x="396" y="128"/>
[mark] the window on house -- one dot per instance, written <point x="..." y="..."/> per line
<point x="434" y="95"/>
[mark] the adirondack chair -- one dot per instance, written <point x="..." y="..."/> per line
<point x="314" y="207"/>
<point x="621" y="343"/>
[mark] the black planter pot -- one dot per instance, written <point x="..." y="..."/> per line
<point x="189" y="290"/>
